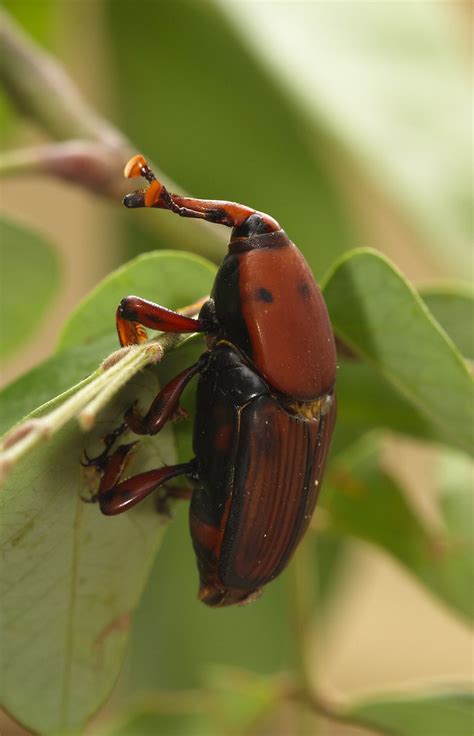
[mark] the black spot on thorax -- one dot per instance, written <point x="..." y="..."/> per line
<point x="264" y="295"/>
<point x="304" y="289"/>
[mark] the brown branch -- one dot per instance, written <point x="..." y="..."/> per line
<point x="86" y="163"/>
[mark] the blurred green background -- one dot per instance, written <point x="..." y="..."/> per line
<point x="349" y="122"/>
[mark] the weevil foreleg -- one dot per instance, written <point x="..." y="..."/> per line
<point x="134" y="314"/>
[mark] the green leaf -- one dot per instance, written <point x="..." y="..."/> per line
<point x="380" y="316"/>
<point x="74" y="575"/>
<point x="456" y="505"/>
<point x="366" y="400"/>
<point x="426" y="714"/>
<point x="36" y="18"/>
<point x="33" y="280"/>
<point x="365" y="502"/>
<point x="379" y="82"/>
<point x="452" y="306"/>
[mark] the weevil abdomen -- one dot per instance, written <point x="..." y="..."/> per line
<point x="260" y="467"/>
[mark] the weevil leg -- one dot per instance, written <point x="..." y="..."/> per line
<point x="99" y="461"/>
<point x="166" y="403"/>
<point x="111" y="467"/>
<point x="115" y="496"/>
<point x="162" y="409"/>
<point x="134" y="314"/>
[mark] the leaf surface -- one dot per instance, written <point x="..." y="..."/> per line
<point x="380" y="316"/>
<point x="430" y="714"/>
<point x="453" y="307"/>
<point x="366" y="502"/>
<point x="32" y="283"/>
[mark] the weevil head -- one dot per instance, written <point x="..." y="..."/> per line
<point x="135" y="199"/>
<point x="258" y="223"/>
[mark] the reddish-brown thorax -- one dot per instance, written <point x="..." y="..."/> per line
<point x="287" y="321"/>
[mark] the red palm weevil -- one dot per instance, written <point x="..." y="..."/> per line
<point x="265" y="400"/>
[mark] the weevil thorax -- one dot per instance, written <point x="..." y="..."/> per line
<point x="270" y="307"/>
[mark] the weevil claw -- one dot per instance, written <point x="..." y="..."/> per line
<point x="99" y="460"/>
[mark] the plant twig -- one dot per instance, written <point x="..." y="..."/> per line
<point x="87" y="163"/>
<point x="41" y="89"/>
<point x="304" y="587"/>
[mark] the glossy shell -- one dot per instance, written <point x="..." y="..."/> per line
<point x="260" y="468"/>
<point x="268" y="304"/>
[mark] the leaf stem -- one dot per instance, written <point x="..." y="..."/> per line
<point x="136" y="359"/>
<point x="91" y="164"/>
<point x="303" y="609"/>
<point x="150" y="353"/>
<point x="87" y="401"/>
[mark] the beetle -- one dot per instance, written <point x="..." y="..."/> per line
<point x="265" y="407"/>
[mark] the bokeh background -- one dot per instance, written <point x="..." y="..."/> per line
<point x="350" y="123"/>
